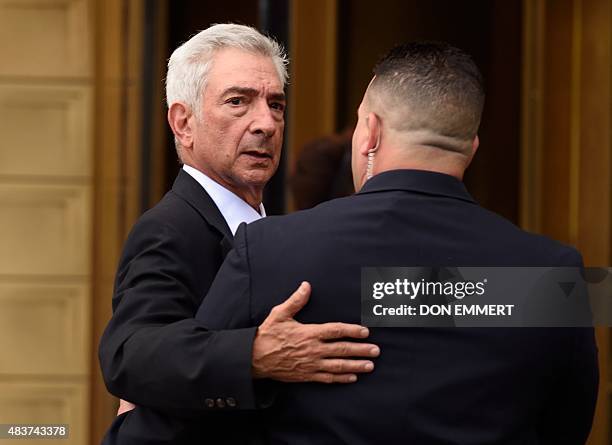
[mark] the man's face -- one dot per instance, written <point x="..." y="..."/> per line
<point x="237" y="140"/>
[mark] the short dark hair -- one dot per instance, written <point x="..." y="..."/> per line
<point x="440" y="84"/>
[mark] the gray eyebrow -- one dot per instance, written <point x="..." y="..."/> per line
<point x="246" y="91"/>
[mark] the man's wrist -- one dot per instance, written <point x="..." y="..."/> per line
<point x="257" y="372"/>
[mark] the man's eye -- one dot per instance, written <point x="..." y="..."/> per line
<point x="277" y="106"/>
<point x="234" y="101"/>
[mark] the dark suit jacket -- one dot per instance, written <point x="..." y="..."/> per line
<point x="153" y="352"/>
<point x="430" y="385"/>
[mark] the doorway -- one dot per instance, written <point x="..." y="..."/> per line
<point x="490" y="31"/>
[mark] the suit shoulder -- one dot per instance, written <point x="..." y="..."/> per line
<point x="295" y="226"/>
<point x="172" y="218"/>
<point x="561" y="254"/>
<point x="300" y="217"/>
<point x="170" y="210"/>
<point x="541" y="248"/>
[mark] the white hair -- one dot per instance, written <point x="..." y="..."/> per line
<point x="190" y="63"/>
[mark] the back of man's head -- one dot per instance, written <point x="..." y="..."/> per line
<point x="432" y="89"/>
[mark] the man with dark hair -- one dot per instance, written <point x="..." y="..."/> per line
<point x="416" y="135"/>
<point x="431" y="88"/>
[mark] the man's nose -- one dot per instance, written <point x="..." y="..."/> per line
<point x="264" y="121"/>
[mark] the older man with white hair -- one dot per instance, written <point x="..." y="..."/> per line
<point x="226" y="101"/>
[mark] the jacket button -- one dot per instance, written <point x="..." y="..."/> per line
<point x="231" y="402"/>
<point x="209" y="403"/>
<point x="220" y="403"/>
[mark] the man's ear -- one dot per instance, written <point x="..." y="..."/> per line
<point x="181" y="121"/>
<point x="475" y="144"/>
<point x="374" y="132"/>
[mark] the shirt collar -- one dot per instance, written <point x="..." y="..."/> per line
<point x="235" y="210"/>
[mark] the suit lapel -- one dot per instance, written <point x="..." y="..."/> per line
<point x="227" y="244"/>
<point x="191" y="191"/>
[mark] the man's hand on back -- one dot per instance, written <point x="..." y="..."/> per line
<point x="289" y="351"/>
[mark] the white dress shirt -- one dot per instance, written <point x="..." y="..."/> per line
<point x="234" y="209"/>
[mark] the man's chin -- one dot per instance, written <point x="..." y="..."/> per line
<point x="257" y="177"/>
<point x="254" y="172"/>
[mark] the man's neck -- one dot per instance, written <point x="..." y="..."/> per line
<point x="252" y="195"/>
<point x="423" y="158"/>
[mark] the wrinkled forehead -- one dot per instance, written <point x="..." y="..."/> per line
<point x="236" y="67"/>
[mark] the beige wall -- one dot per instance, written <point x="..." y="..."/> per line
<point x="46" y="151"/>
<point x="70" y="95"/>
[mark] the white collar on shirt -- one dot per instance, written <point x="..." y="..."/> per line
<point x="234" y="210"/>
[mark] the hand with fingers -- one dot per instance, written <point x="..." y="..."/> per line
<point x="289" y="351"/>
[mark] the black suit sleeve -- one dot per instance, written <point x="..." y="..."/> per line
<point x="153" y="352"/>
<point x="568" y="415"/>
<point x="228" y="305"/>
<point x="228" y="302"/>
